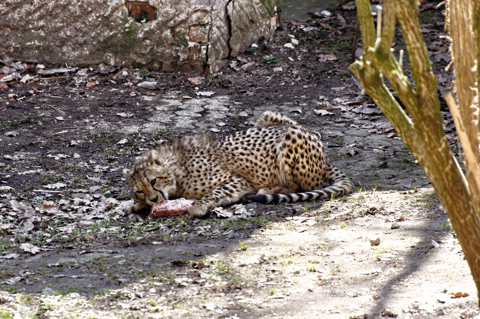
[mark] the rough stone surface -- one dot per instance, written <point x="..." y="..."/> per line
<point x="182" y="36"/>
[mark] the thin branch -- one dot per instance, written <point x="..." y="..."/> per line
<point x="471" y="162"/>
<point x="379" y="21"/>
<point x="400" y="60"/>
<point x="388" y="32"/>
<point x="364" y="16"/>
<point x="425" y="80"/>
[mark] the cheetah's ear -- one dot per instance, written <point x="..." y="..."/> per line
<point x="153" y="156"/>
<point x="126" y="173"/>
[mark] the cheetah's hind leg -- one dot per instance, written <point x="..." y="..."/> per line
<point x="229" y="192"/>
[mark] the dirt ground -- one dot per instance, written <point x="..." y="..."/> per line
<point x="69" y="250"/>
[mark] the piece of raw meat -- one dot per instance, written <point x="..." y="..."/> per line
<point x="171" y="207"/>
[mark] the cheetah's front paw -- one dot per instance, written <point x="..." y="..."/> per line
<point x="139" y="208"/>
<point x="197" y="210"/>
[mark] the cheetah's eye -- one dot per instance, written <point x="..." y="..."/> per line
<point x="153" y="181"/>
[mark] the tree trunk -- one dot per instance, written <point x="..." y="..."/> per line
<point x="423" y="133"/>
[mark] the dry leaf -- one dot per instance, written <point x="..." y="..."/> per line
<point x="459" y="294"/>
<point x="319" y="277"/>
<point x="59" y="118"/>
<point x="207" y="94"/>
<point x="327" y="57"/>
<point x="13" y="158"/>
<point x="324" y="105"/>
<point x="30" y="248"/>
<point x="55" y="186"/>
<point x="90" y="84"/>
<point x="196" y="80"/>
<point x="123" y="114"/>
<point x="133" y="94"/>
<point x="12" y="133"/>
<point x="349" y="6"/>
<point x="322" y="112"/>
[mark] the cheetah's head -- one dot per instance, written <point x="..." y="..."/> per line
<point x="153" y="177"/>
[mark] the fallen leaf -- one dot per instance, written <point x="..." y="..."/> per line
<point x="30" y="248"/>
<point x="349" y="6"/>
<point x="401" y="218"/>
<point x="389" y="314"/>
<point x="148" y="85"/>
<point x="122" y="141"/>
<point x="57" y="71"/>
<point x="322" y="112"/>
<point x="324" y="105"/>
<point x="200" y="264"/>
<point x="186" y="97"/>
<point x="13" y="158"/>
<point x="11" y="256"/>
<point x="90" y="84"/>
<point x="26" y="78"/>
<point x="123" y="114"/>
<point x="207" y="94"/>
<point x="59" y="118"/>
<point x="327" y="57"/>
<point x="56" y="186"/>
<point x="13" y="280"/>
<point x="27" y="226"/>
<point x="196" y="80"/>
<point x="133" y="94"/>
<point x="319" y="277"/>
<point x="12" y="133"/>
<point x="459" y="294"/>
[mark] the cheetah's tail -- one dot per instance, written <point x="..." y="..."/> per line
<point x="340" y="186"/>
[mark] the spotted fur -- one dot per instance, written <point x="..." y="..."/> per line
<point x="275" y="156"/>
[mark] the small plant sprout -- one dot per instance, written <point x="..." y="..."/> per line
<point x="271" y="59"/>
<point x="144" y="73"/>
<point x="242" y="245"/>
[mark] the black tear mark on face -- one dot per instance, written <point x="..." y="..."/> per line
<point x="140" y="195"/>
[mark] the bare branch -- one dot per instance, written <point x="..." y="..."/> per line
<point x="364" y="15"/>
<point x="388" y="32"/>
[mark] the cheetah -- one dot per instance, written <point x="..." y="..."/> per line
<point x="276" y="161"/>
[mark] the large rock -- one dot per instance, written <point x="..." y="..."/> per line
<point x="183" y="35"/>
